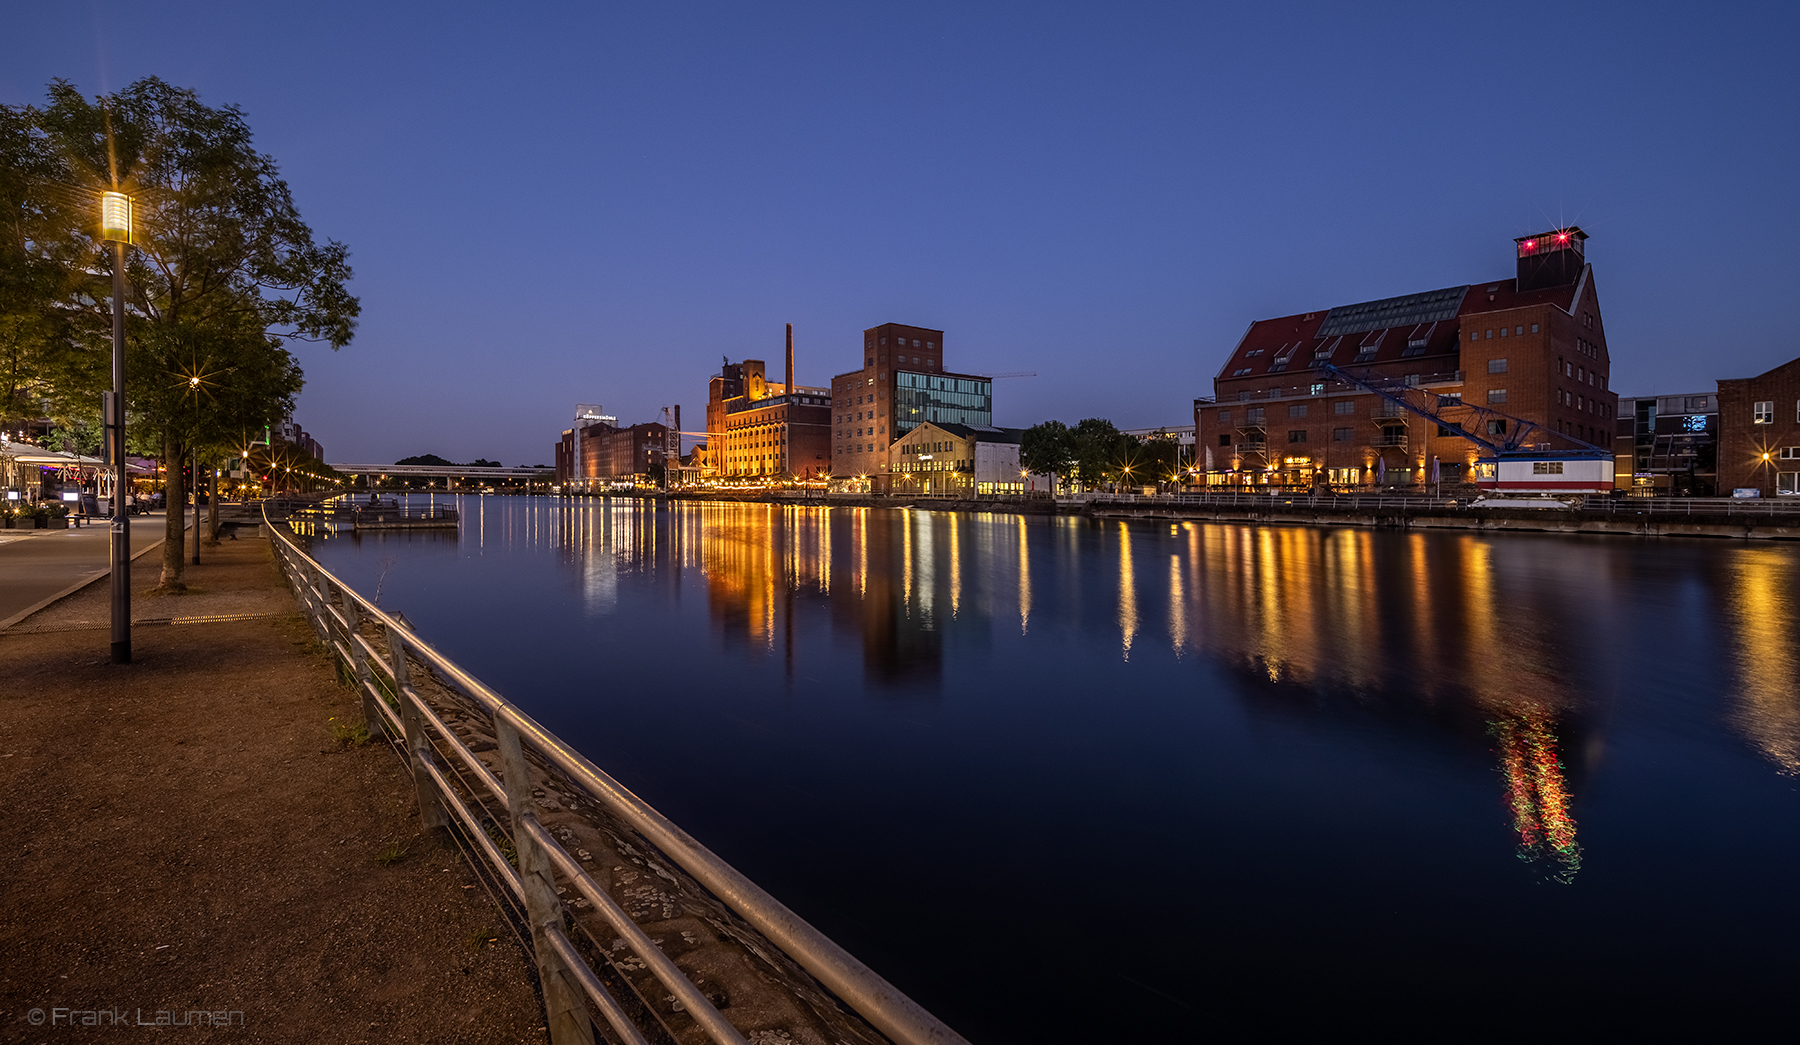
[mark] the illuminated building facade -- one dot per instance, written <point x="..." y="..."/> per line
<point x="902" y="384"/>
<point x="1532" y="345"/>
<point x="755" y="429"/>
<point x="960" y="459"/>
<point x="1668" y="445"/>
<point x="600" y="455"/>
<point x="1759" y="432"/>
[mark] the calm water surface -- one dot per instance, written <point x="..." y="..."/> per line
<point x="1068" y="780"/>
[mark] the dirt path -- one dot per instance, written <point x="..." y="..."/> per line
<point x="185" y="833"/>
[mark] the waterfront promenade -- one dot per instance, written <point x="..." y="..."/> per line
<point x="186" y="833"/>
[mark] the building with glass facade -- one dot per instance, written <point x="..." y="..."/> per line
<point x="901" y="385"/>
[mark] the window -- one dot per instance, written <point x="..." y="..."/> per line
<point x="1473" y="336"/>
<point x="1297" y="435"/>
<point x="1787" y="484"/>
<point x="1240" y="371"/>
<point x="1224" y="439"/>
<point x="1253" y="352"/>
<point x="1765" y="413"/>
<point x="1496" y="395"/>
<point x="1317" y="388"/>
<point x="1342" y="435"/>
<point x="1546" y="468"/>
<point x="1496" y="366"/>
<point x="1496" y="428"/>
<point x="1790" y="453"/>
<point x="1518" y="331"/>
<point x="1534" y="328"/>
<point x="1297" y="410"/>
<point x="1502" y="331"/>
<point x="1344" y="406"/>
<point x="1254" y="415"/>
<point x="1224" y="417"/>
<point x="1490" y="334"/>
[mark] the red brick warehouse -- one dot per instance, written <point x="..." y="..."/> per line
<point x="1531" y="345"/>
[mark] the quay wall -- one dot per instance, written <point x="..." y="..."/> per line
<point x="1743" y="527"/>
<point x="1740" y="526"/>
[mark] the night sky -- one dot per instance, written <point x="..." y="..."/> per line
<point x="550" y="204"/>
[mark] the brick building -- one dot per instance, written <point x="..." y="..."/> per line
<point x="902" y="384"/>
<point x="1759" y="432"/>
<point x="599" y="455"/>
<point x="755" y="429"/>
<point x="1532" y="346"/>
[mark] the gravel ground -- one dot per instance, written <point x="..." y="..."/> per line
<point x="186" y="834"/>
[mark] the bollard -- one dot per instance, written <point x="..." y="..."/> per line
<point x="569" y="1022"/>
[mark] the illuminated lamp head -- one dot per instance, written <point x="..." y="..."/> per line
<point x="1531" y="244"/>
<point x="115" y="217"/>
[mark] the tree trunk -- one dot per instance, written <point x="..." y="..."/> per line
<point x="174" y="514"/>
<point x="212" y="507"/>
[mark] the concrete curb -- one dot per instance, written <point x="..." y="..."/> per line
<point x="80" y="584"/>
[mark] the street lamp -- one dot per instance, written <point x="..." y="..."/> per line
<point x="116" y="228"/>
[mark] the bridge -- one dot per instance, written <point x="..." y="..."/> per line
<point x="471" y="474"/>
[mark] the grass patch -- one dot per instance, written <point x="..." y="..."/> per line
<point x="349" y="734"/>
<point x="480" y="938"/>
<point x="395" y="852"/>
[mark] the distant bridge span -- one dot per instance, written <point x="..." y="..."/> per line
<point x="445" y="471"/>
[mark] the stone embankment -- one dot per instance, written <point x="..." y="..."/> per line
<point x="1624" y="521"/>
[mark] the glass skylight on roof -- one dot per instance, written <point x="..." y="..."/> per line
<point x="1408" y="310"/>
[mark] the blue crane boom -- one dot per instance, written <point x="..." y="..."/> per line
<point x="1517" y="432"/>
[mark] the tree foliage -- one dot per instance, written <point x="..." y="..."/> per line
<point x="222" y="273"/>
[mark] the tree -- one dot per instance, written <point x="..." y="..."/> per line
<point x="1048" y="448"/>
<point x="223" y="270"/>
<point x="1101" y="451"/>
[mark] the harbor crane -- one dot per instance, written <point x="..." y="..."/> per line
<point x="1519" y="454"/>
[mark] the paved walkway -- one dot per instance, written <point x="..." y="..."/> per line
<point x="186" y="834"/>
<point x="38" y="566"/>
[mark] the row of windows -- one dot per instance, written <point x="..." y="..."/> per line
<point x="862" y="431"/>
<point x="1587" y="348"/>
<point x="900" y="342"/>
<point x="1765" y="412"/>
<point x="1582" y="403"/>
<point x="1517" y="331"/>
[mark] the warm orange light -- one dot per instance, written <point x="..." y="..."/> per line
<point x="115" y="217"/>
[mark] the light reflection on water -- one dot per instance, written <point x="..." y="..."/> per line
<point x="1331" y="738"/>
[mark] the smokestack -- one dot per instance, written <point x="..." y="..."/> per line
<point x="790" y="360"/>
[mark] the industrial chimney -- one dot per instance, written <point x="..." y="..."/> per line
<point x="790" y="360"/>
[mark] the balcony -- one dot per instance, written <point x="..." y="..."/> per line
<point x="1252" y="447"/>
<point x="1389" y="439"/>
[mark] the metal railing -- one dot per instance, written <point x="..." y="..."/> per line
<point x="390" y="666"/>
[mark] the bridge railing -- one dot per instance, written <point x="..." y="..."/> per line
<point x="408" y="692"/>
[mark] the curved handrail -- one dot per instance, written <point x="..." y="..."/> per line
<point x="868" y="995"/>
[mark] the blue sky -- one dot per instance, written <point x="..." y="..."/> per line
<point x="551" y="204"/>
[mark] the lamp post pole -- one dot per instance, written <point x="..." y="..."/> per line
<point x="115" y="222"/>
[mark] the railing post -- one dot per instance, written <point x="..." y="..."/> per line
<point x="569" y="1022"/>
<point x="365" y="678"/>
<point x="418" y="744"/>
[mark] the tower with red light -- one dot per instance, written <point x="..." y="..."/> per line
<point x="1550" y="259"/>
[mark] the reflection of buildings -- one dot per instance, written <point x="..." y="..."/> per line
<point x="1761" y="605"/>
<point x="1419" y="630"/>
